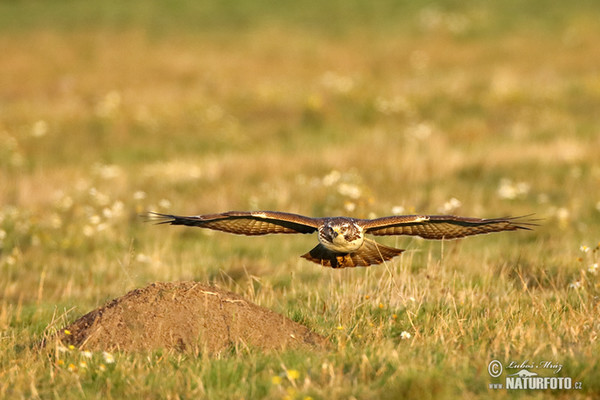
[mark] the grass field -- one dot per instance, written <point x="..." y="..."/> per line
<point x="480" y="109"/>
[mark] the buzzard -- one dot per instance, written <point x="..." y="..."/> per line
<point x="342" y="241"/>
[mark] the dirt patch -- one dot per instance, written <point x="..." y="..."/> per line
<point x="186" y="316"/>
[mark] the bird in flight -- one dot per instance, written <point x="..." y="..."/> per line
<point x="342" y="241"/>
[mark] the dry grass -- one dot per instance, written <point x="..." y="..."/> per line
<point x="97" y="125"/>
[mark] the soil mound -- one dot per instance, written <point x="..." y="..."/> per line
<point x="186" y="316"/>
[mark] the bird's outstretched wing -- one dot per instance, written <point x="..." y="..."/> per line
<point x="244" y="222"/>
<point x="369" y="253"/>
<point x="442" y="226"/>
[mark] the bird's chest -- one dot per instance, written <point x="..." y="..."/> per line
<point x="345" y="243"/>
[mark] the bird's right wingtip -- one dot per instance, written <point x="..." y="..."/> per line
<point x="525" y="222"/>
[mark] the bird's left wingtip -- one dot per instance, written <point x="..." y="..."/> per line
<point x="156" y="217"/>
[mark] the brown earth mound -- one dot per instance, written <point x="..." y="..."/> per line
<point x="186" y="316"/>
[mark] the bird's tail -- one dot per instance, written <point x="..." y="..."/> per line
<point x="369" y="253"/>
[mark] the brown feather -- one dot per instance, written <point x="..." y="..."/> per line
<point x="441" y="226"/>
<point x="245" y="222"/>
<point x="369" y="253"/>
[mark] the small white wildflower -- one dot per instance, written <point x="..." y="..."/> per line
<point x="575" y="285"/>
<point x="392" y="106"/>
<point x="164" y="203"/>
<point x="405" y="335"/>
<point x="100" y="198"/>
<point x="510" y="190"/>
<point x="40" y="128"/>
<point x="543" y="198"/>
<point x="337" y="83"/>
<point x="61" y="349"/>
<point x="55" y="221"/>
<point x="107" y="172"/>
<point x="107" y="213"/>
<point x="451" y="205"/>
<point x="398" y="210"/>
<point x="82" y="364"/>
<point x="35" y="241"/>
<point x="584" y="248"/>
<point x="350" y="190"/>
<point x="593" y="269"/>
<point x="87" y="354"/>
<point x="523" y="188"/>
<point x="65" y="203"/>
<point x="506" y="190"/>
<point x="142" y="258"/>
<point x="563" y="216"/>
<point x="108" y="358"/>
<point x="331" y="178"/>
<point x="88" y="230"/>
<point x="349" y="206"/>
<point x="420" y="131"/>
<point x="109" y="104"/>
<point x="139" y="195"/>
<point x="117" y="208"/>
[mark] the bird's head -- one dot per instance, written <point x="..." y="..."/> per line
<point x="341" y="234"/>
<point x="335" y="229"/>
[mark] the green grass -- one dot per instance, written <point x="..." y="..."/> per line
<point x="337" y="18"/>
<point x="112" y="109"/>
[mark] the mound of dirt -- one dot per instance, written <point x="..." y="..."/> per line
<point x="186" y="316"/>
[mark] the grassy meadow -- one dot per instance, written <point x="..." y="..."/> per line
<point x="482" y="109"/>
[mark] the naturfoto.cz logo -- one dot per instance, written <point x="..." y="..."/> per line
<point x="525" y="375"/>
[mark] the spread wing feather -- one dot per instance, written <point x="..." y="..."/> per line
<point x="441" y="226"/>
<point x="245" y="222"/>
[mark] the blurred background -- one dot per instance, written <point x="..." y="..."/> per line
<point x="109" y="109"/>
